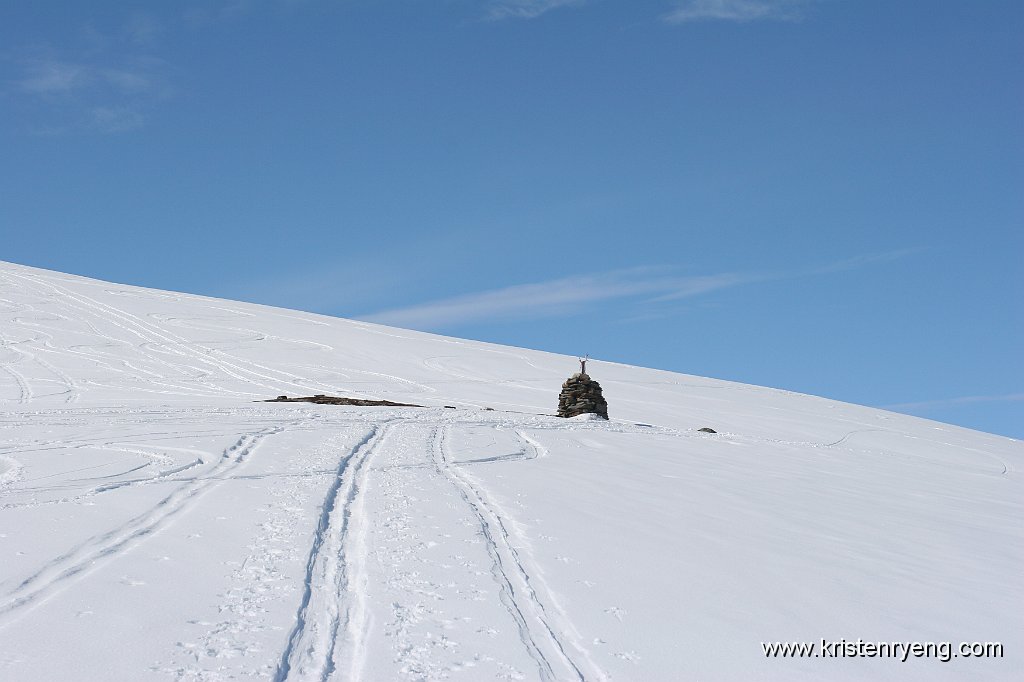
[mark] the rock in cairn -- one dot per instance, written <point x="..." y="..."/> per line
<point x="581" y="395"/>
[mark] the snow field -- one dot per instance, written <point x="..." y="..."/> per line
<point x="156" y="523"/>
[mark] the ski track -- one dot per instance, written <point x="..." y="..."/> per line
<point x="549" y="637"/>
<point x="308" y="601"/>
<point x="24" y="389"/>
<point x="149" y="333"/>
<point x="80" y="560"/>
<point x="113" y="342"/>
<point x="72" y="388"/>
<point x="330" y="623"/>
<point x="157" y="339"/>
<point x="328" y="639"/>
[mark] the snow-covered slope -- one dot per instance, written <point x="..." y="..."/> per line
<point x="156" y="523"/>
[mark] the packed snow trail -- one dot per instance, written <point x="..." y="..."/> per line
<point x="331" y="624"/>
<point x="328" y="625"/>
<point x="158" y="524"/>
<point x="544" y="641"/>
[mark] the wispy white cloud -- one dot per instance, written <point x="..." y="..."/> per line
<point x="54" y="77"/>
<point x="116" y="119"/>
<point x="105" y="82"/>
<point x="736" y="10"/>
<point x="927" y="405"/>
<point x="50" y="76"/>
<point x="652" y="287"/>
<point x="142" y="29"/>
<point x="711" y="282"/>
<point x="694" y="286"/>
<point x="90" y="95"/>
<point x="538" y="299"/>
<point x="864" y="260"/>
<point x="215" y="12"/>
<point x="525" y="9"/>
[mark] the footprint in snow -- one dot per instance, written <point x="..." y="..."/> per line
<point x="630" y="656"/>
<point x="616" y="612"/>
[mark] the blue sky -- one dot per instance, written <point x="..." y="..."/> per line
<point x="818" y="195"/>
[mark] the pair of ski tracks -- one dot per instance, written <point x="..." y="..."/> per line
<point x="332" y="620"/>
<point x="544" y="629"/>
<point x="87" y="556"/>
<point x="148" y="332"/>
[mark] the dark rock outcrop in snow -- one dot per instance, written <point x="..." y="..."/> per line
<point x="333" y="400"/>
<point x="581" y="395"/>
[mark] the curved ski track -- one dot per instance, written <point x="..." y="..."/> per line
<point x="79" y="560"/>
<point x="328" y="639"/>
<point x="544" y="629"/>
<point x="150" y="334"/>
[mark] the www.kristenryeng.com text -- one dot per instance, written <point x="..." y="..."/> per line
<point x="902" y="651"/>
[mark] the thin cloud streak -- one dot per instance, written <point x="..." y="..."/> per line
<point x="570" y="295"/>
<point x="90" y="96"/>
<point x="736" y="10"/>
<point x="734" y="279"/>
<point x="116" y="119"/>
<point x="51" y="76"/>
<point x="142" y="29"/>
<point x="525" y="9"/>
<point x="927" y="405"/>
<point x="861" y="261"/>
<point x="213" y="13"/>
<point x="105" y="83"/>
<point x="694" y="286"/>
<point x="57" y="77"/>
<point x="540" y="299"/>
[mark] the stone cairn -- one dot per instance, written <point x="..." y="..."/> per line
<point x="581" y="395"/>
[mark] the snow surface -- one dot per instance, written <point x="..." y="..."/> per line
<point x="157" y="524"/>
